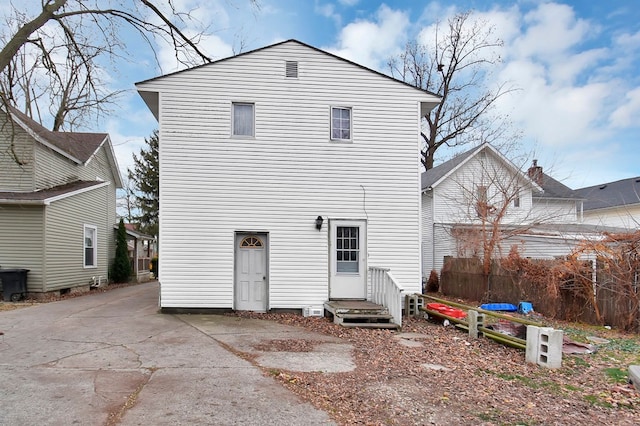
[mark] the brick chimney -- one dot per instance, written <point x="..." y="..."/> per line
<point x="535" y="173"/>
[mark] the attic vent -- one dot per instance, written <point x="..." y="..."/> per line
<point x="291" y="69"/>
<point x="603" y="186"/>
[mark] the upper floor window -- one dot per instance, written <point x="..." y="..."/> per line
<point x="516" y="201"/>
<point x="243" y="118"/>
<point x="90" y="246"/>
<point x="340" y="123"/>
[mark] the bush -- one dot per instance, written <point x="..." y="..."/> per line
<point x="433" y="283"/>
<point x="121" y="267"/>
<point x="154" y="267"/>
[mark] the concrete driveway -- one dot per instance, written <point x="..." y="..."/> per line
<point x="112" y="358"/>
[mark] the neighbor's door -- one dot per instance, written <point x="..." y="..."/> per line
<point x="348" y="256"/>
<point x="251" y="272"/>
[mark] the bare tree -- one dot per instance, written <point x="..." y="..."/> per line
<point x="455" y="66"/>
<point x="493" y="208"/>
<point x="126" y="204"/>
<point x="57" y="56"/>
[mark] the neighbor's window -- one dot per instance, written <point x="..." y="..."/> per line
<point x="243" y="118"/>
<point x="90" y="246"/>
<point x="340" y="123"/>
<point x="516" y="202"/>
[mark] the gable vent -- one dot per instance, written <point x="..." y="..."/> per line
<point x="291" y="69"/>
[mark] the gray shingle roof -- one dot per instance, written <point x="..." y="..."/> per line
<point x="552" y="189"/>
<point x="623" y="192"/>
<point x="78" y="145"/>
<point x="38" y="197"/>
<point x="433" y="175"/>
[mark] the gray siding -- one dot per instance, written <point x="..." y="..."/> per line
<point x="14" y="176"/>
<point x="53" y="169"/>
<point x="64" y="246"/>
<point x="21" y="241"/>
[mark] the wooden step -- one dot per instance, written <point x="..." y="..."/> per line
<point x="376" y="325"/>
<point x="360" y="313"/>
<point x="371" y="316"/>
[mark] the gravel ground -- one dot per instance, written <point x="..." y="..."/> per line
<point x="438" y="375"/>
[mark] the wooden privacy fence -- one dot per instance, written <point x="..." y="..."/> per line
<point x="462" y="277"/>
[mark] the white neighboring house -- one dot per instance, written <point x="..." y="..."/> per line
<point x="285" y="173"/>
<point x="613" y="203"/>
<point x="541" y="215"/>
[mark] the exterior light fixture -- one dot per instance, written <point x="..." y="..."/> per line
<point x="319" y="221"/>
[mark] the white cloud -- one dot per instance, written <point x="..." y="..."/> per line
<point x="371" y="43"/>
<point x="349" y="2"/>
<point x="626" y="114"/>
<point x="328" y="10"/>
<point x="552" y="30"/>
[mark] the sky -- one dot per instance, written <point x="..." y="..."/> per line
<point x="575" y="64"/>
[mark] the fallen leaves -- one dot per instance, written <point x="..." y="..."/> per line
<point x="477" y="381"/>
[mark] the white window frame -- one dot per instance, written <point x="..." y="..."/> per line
<point x="95" y="246"/>
<point x="341" y="108"/>
<point x="233" y="120"/>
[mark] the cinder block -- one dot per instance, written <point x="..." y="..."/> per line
<point x="531" y="352"/>
<point x="550" y="344"/>
<point x="475" y="320"/>
<point x="413" y="303"/>
<point x="544" y="346"/>
<point x="634" y="376"/>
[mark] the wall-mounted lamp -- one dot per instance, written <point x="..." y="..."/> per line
<point x="319" y="221"/>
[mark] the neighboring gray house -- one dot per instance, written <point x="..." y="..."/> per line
<point x="57" y="204"/>
<point x="541" y="216"/>
<point x="287" y="173"/>
<point x="613" y="203"/>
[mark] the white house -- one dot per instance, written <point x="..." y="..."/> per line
<point x="285" y="174"/>
<point x="613" y="203"/>
<point x="480" y="188"/>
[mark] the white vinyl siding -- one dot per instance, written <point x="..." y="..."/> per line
<point x="623" y="217"/>
<point x="554" y="211"/>
<point x="280" y="182"/>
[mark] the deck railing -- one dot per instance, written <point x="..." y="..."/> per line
<point x="385" y="291"/>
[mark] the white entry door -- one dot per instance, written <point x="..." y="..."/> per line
<point x="348" y="258"/>
<point x="251" y="272"/>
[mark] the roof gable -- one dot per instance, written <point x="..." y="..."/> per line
<point x="290" y="41"/>
<point x="433" y="177"/>
<point x="79" y="147"/>
<point x="149" y="93"/>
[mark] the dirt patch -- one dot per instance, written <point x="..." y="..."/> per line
<point x="287" y="345"/>
<point x="54" y="297"/>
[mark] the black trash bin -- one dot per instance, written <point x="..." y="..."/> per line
<point x="14" y="284"/>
